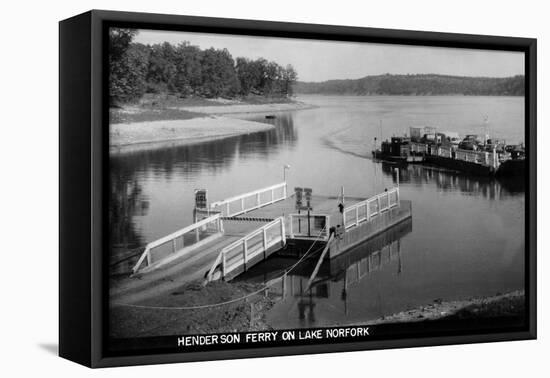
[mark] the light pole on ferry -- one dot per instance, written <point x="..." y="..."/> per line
<point x="285" y="167"/>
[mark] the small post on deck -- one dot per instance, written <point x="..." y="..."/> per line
<point x="195" y="220"/>
<point x="397" y="176"/>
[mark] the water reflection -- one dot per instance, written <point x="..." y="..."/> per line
<point x="127" y="200"/>
<point x="468" y="237"/>
<point x="129" y="171"/>
<point x="486" y="187"/>
<point x="336" y="277"/>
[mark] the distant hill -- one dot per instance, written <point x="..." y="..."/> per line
<point x="421" y="85"/>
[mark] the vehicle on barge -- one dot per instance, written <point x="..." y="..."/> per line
<point x="472" y="154"/>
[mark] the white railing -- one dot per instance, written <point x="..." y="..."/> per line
<point x="419" y="148"/>
<point x="489" y="159"/>
<point x="444" y="151"/>
<point x="365" y="210"/>
<point x="486" y="158"/>
<point x="249" y="201"/>
<point x="176" y="244"/>
<point x="240" y="252"/>
<point x="318" y="225"/>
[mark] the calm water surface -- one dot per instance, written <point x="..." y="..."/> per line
<point x="466" y="237"/>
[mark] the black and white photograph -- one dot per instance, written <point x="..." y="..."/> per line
<point x="300" y="190"/>
<point x="279" y="189"/>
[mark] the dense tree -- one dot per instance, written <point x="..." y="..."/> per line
<point x="161" y="75"/>
<point x="418" y="85"/>
<point x="122" y="83"/>
<point x="187" y="70"/>
<point x="289" y="78"/>
<point x="219" y="77"/>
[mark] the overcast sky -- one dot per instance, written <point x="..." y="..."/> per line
<point x="324" y="60"/>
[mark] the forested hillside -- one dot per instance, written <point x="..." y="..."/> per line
<point x="417" y="85"/>
<point x="185" y="70"/>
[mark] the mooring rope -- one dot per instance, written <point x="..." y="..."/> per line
<point x="211" y="305"/>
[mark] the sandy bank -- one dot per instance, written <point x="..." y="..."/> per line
<point x="247" y="108"/>
<point x="126" y="137"/>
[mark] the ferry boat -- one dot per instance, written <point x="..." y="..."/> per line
<point x="471" y="154"/>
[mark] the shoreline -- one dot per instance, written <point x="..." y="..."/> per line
<point x="137" y="136"/>
<point x="251" y="314"/>
<point x="239" y="108"/>
<point x="463" y="309"/>
<point x="209" y="123"/>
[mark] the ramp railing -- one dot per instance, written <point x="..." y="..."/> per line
<point x="239" y="253"/>
<point x="170" y="247"/>
<point x="363" y="211"/>
<point x="250" y="201"/>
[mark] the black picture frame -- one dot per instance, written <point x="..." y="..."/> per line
<point x="83" y="114"/>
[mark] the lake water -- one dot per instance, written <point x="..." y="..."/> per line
<point x="466" y="237"/>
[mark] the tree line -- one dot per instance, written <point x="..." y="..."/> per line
<point x="185" y="70"/>
<point x="422" y="84"/>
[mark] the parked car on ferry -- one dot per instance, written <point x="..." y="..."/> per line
<point x="452" y="137"/>
<point x="470" y="142"/>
